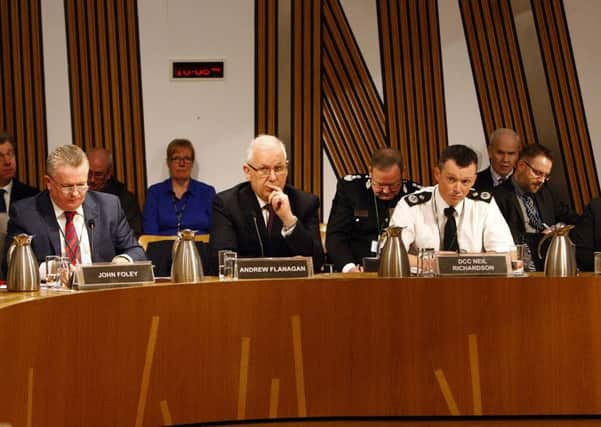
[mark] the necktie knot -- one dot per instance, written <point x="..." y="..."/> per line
<point x="449" y="212"/>
<point x="71" y="239"/>
<point x="69" y="215"/>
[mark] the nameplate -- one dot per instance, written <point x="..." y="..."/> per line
<point x="498" y="264"/>
<point x="108" y="275"/>
<point x="274" y="268"/>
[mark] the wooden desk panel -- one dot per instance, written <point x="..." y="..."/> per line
<point x="364" y="346"/>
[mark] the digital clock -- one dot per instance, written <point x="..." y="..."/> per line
<point x="184" y="70"/>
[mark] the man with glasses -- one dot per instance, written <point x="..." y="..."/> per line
<point x="361" y="210"/>
<point x="100" y="178"/>
<point x="67" y="220"/>
<point x="527" y="202"/>
<point x="264" y="216"/>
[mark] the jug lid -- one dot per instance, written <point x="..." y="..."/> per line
<point x="22" y="239"/>
<point x="187" y="234"/>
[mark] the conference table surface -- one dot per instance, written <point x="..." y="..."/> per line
<point x="333" y="345"/>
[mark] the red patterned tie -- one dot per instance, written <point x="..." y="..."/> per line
<point x="71" y="240"/>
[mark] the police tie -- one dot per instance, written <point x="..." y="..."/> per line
<point x="71" y="240"/>
<point x="532" y="212"/>
<point x="449" y="242"/>
<point x="2" y="201"/>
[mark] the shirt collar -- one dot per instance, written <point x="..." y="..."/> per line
<point x="441" y="205"/>
<point x="8" y="187"/>
<point x="496" y="177"/>
<point x="58" y="212"/>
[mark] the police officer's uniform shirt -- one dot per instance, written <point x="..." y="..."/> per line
<point x="480" y="224"/>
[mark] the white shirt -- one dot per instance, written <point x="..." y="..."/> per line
<point x="497" y="177"/>
<point x="480" y="224"/>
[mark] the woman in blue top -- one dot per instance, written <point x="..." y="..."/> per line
<point x="179" y="202"/>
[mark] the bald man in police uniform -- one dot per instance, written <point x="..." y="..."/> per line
<point x="451" y="216"/>
<point x="361" y="209"/>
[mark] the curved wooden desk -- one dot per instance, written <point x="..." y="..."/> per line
<point x="327" y="346"/>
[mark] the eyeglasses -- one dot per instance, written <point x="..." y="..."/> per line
<point x="264" y="171"/>
<point x="380" y="187"/>
<point x="538" y="173"/>
<point x="68" y="189"/>
<point x="177" y="159"/>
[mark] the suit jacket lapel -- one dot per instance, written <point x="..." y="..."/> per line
<point x="44" y="206"/>
<point x="91" y="214"/>
<point x="249" y="202"/>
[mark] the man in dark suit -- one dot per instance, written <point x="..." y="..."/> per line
<point x="587" y="235"/>
<point x="264" y="216"/>
<point x="503" y="151"/>
<point x="67" y="219"/>
<point x="362" y="207"/>
<point x="100" y="178"/>
<point x="527" y="202"/>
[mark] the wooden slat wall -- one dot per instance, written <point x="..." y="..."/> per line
<point x="497" y="67"/>
<point x="566" y="100"/>
<point x="306" y="95"/>
<point x="413" y="84"/>
<point x="22" y="93"/>
<point x="106" y="95"/>
<point x="353" y="116"/>
<point x="266" y="73"/>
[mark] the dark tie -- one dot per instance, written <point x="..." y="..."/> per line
<point x="71" y="240"/>
<point x="270" y="215"/>
<point x="449" y="242"/>
<point x="2" y="201"/>
<point x="532" y="212"/>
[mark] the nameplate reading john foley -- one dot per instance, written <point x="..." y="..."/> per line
<point x="474" y="264"/>
<point x="108" y="275"/>
<point x="272" y="268"/>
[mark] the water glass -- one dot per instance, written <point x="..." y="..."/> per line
<point x="57" y="271"/>
<point x="597" y="258"/>
<point x="517" y="253"/>
<point x="426" y="262"/>
<point x="227" y="264"/>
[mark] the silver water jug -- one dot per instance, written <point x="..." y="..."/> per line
<point x="560" y="260"/>
<point x="23" y="269"/>
<point x="187" y="265"/>
<point x="394" y="261"/>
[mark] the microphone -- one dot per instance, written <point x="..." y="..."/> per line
<point x="258" y="234"/>
<point x="91" y="226"/>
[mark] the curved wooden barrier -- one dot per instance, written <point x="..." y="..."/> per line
<point x="327" y="346"/>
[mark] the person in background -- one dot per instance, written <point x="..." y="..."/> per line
<point x="587" y="235"/>
<point x="503" y="151"/>
<point x="452" y="216"/>
<point x="100" y="178"/>
<point x="264" y="216"/>
<point x="528" y="204"/>
<point x="11" y="189"/>
<point x="179" y="202"/>
<point x="68" y="220"/>
<point x="362" y="207"/>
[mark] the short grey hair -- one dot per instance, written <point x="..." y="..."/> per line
<point x="503" y="131"/>
<point x="65" y="155"/>
<point x="264" y="141"/>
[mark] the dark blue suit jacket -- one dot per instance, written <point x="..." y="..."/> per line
<point x="238" y="224"/>
<point x="111" y="234"/>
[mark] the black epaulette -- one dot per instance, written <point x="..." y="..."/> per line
<point x="351" y="178"/>
<point x="418" y="198"/>
<point x="410" y="186"/>
<point x="483" y="196"/>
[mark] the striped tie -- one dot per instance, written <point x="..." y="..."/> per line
<point x="71" y="240"/>
<point x="270" y="215"/>
<point x="532" y="212"/>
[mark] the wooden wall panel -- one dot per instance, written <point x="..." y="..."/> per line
<point x="266" y="73"/>
<point x="413" y="84"/>
<point x="497" y="66"/>
<point x="105" y="86"/>
<point x="22" y="93"/>
<point x="306" y="95"/>
<point x="566" y="100"/>
<point x="353" y="114"/>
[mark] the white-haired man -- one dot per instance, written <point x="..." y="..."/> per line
<point x="264" y="216"/>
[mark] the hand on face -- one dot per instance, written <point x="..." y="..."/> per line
<point x="281" y="205"/>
